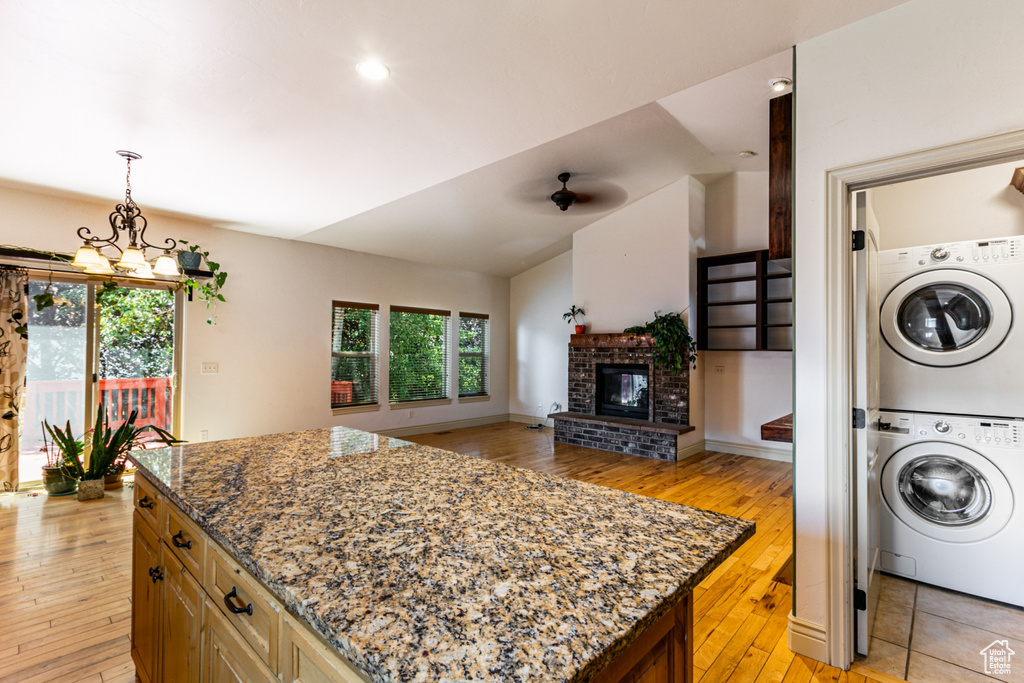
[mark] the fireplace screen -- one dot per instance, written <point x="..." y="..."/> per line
<point x="622" y="390"/>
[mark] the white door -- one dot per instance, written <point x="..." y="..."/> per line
<point x="865" y="439"/>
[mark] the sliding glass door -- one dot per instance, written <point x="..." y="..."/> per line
<point x="120" y="354"/>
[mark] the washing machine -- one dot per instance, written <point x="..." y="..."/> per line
<point x="951" y="512"/>
<point x="950" y="341"/>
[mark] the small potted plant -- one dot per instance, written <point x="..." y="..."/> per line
<point x="57" y="480"/>
<point x="106" y="448"/>
<point x="571" y="315"/>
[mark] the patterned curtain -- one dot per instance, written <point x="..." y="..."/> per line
<point x="13" y="362"/>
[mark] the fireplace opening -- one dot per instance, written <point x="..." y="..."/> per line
<point x="622" y="391"/>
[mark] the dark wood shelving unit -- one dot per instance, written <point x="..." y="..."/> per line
<point x="760" y="277"/>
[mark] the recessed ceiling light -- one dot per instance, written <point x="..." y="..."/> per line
<point x="373" y="70"/>
<point x="746" y="154"/>
<point x="780" y="84"/>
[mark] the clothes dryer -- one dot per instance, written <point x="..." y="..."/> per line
<point x="951" y="512"/>
<point x="951" y="343"/>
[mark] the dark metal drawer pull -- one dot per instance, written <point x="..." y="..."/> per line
<point x="144" y="502"/>
<point x="231" y="606"/>
<point x="155" y="574"/>
<point x="179" y="541"/>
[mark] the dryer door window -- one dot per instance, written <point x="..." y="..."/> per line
<point x="945" y="317"/>
<point x="945" y="490"/>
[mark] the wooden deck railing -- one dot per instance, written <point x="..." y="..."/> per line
<point x="62" y="400"/>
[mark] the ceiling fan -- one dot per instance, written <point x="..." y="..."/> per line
<point x="588" y="195"/>
<point x="565" y="197"/>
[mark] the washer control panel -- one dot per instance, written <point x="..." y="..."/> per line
<point x="978" y="253"/>
<point x="980" y="431"/>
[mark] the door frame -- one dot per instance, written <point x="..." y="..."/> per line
<point x="839" y="329"/>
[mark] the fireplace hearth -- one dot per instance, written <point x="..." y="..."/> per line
<point x="619" y="400"/>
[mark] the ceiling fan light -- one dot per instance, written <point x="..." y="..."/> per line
<point x="563" y="199"/>
<point x="165" y="265"/>
<point x="86" y="256"/>
<point x="132" y="258"/>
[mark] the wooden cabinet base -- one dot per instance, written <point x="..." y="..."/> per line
<point x="664" y="652"/>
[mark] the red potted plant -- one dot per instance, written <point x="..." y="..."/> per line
<point x="571" y="315"/>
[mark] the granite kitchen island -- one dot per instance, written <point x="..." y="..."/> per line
<point x="411" y="563"/>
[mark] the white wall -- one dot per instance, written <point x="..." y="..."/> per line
<point x="926" y="73"/>
<point x="737" y="213"/>
<point x="538" y="362"/>
<point x="639" y="260"/>
<point x="635" y="261"/>
<point x="955" y="207"/>
<point x="272" y="338"/>
<point x="754" y="387"/>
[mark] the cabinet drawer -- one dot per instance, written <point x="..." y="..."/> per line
<point x="306" y="659"/>
<point x="244" y="604"/>
<point x="184" y="539"/>
<point x="147" y="501"/>
<point x="228" y="659"/>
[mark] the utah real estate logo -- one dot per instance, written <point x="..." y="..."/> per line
<point x="997" y="658"/>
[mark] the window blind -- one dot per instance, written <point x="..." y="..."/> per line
<point x="474" y="349"/>
<point x="418" y="354"/>
<point x="354" y="354"/>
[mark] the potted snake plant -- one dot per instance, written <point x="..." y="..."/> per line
<point x="106" y="448"/>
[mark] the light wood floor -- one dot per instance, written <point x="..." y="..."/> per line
<point x="64" y="572"/>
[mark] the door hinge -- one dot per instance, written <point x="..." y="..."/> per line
<point x="858" y="418"/>
<point x="858" y="240"/>
<point x="860" y="599"/>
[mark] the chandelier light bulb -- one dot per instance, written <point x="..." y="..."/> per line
<point x="86" y="256"/>
<point x="102" y="267"/>
<point x="165" y="265"/>
<point x="132" y="258"/>
<point x="143" y="271"/>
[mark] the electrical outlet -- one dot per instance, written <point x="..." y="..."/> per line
<point x="208" y="368"/>
<point x="204" y="435"/>
<point x="719" y="369"/>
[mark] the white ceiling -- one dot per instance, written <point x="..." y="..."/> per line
<point x="250" y="113"/>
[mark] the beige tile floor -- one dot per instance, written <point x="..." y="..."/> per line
<point x="924" y="634"/>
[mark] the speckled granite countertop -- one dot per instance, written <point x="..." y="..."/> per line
<point x="419" y="564"/>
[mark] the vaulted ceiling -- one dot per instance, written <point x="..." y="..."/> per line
<point x="250" y="113"/>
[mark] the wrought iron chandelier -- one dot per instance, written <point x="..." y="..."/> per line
<point x="127" y="219"/>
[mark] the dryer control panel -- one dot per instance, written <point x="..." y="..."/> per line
<point x="982" y="431"/>
<point x="974" y="254"/>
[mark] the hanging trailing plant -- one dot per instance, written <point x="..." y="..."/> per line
<point x="209" y="290"/>
<point x="673" y="345"/>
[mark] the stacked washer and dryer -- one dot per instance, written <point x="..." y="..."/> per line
<point x="952" y="420"/>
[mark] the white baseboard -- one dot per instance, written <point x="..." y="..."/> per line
<point x="444" y="426"/>
<point x="693" y="449"/>
<point x="784" y="454"/>
<point x="530" y="419"/>
<point x="807" y="638"/>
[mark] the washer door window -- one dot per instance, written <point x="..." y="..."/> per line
<point x="945" y="317"/>
<point x="947" y="492"/>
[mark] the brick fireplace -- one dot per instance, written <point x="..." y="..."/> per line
<point x="667" y="395"/>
